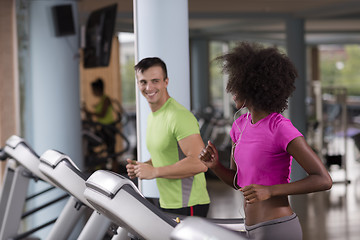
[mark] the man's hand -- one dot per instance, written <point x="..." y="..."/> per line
<point x="130" y="168"/>
<point x="140" y="170"/>
<point x="145" y="171"/>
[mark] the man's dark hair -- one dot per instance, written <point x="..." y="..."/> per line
<point x="98" y="84"/>
<point x="149" y="62"/>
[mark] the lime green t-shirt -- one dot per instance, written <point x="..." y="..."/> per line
<point x="165" y="127"/>
<point x="108" y="118"/>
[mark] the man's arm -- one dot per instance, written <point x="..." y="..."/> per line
<point x="191" y="146"/>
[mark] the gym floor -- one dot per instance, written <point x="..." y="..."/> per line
<point x="330" y="215"/>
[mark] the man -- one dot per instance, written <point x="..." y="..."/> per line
<point x="174" y="142"/>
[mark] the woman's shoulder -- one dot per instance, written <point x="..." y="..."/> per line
<point x="281" y="126"/>
<point x="277" y="120"/>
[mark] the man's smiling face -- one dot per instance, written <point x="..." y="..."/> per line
<point x="153" y="86"/>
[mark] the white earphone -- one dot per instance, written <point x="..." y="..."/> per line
<point x="247" y="117"/>
<point x="235" y="144"/>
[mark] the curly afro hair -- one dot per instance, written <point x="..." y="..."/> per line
<point x="264" y="77"/>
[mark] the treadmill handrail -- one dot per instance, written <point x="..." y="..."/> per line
<point x="14" y="141"/>
<point x="109" y="184"/>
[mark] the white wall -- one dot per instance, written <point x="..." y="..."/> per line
<point x="49" y="79"/>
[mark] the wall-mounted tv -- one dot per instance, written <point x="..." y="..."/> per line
<point x="98" y="37"/>
<point x="63" y="20"/>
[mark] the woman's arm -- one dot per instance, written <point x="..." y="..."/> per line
<point x="318" y="178"/>
<point x="209" y="156"/>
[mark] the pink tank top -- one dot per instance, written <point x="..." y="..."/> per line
<point x="260" y="151"/>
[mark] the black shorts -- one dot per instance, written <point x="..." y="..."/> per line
<point x="200" y="210"/>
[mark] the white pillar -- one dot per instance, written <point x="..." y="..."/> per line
<point x="161" y="30"/>
<point x="54" y="77"/>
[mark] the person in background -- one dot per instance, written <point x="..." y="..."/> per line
<point x="103" y="114"/>
<point x="265" y="142"/>
<point x="103" y="110"/>
<point x="174" y="143"/>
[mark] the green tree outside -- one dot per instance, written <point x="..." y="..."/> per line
<point x="350" y="74"/>
<point x="341" y="67"/>
<point x="128" y="84"/>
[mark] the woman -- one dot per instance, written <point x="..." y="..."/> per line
<point x="264" y="143"/>
<point x="103" y="109"/>
<point x="104" y="114"/>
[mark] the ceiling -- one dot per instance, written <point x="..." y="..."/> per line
<point x="326" y="21"/>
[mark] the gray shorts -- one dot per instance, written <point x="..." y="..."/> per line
<point x="284" y="228"/>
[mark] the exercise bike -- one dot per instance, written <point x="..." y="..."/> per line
<point x="100" y="141"/>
